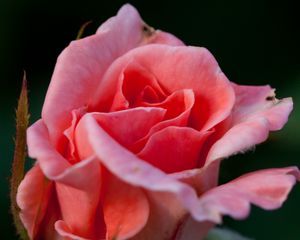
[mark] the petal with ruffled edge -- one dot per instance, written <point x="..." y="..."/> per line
<point x="80" y="67"/>
<point x="256" y="112"/>
<point x="265" y="188"/>
<point x="80" y="182"/>
<point x="33" y="197"/>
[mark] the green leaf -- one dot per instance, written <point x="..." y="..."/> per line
<point x="224" y="234"/>
<point x="22" y="118"/>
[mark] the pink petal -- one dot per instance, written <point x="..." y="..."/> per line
<point x="33" y="197"/>
<point x="125" y="208"/>
<point x="252" y="119"/>
<point x="134" y="171"/>
<point x="79" y="182"/>
<point x="40" y="147"/>
<point x="116" y="124"/>
<point x="201" y="179"/>
<point x="174" y="149"/>
<point x="166" y="214"/>
<point x="70" y="149"/>
<point x="64" y="231"/>
<point x="46" y="230"/>
<point x="80" y="67"/>
<point x="120" y="89"/>
<point x="266" y="188"/>
<point x="260" y="101"/>
<point x="150" y="35"/>
<point x="178" y="106"/>
<point x="171" y="65"/>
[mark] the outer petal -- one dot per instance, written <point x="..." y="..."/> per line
<point x="79" y="182"/>
<point x="166" y="214"/>
<point x="81" y="66"/>
<point x="40" y="147"/>
<point x="47" y="230"/>
<point x="33" y="197"/>
<point x="125" y="208"/>
<point x="256" y="112"/>
<point x="266" y="188"/>
<point x="261" y="101"/>
<point x="178" y="68"/>
<point x="201" y="179"/>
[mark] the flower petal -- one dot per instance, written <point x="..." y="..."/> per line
<point x="80" y="67"/>
<point x="46" y="229"/>
<point x="40" y="147"/>
<point x="174" y="149"/>
<point x="178" y="106"/>
<point x="252" y="119"/>
<point x="266" y="188"/>
<point x="166" y="214"/>
<point x="64" y="231"/>
<point x="261" y="101"/>
<point x="79" y="182"/>
<point x="134" y="171"/>
<point x="170" y="65"/>
<point x="33" y="197"/>
<point x="125" y="208"/>
<point x="116" y="125"/>
<point x="201" y="179"/>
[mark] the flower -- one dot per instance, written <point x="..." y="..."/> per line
<point x="133" y="129"/>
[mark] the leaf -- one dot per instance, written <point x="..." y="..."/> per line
<point x="224" y="234"/>
<point x="22" y="118"/>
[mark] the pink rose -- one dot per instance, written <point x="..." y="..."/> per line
<point x="133" y="129"/>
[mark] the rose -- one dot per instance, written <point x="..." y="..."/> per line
<point x="133" y="129"/>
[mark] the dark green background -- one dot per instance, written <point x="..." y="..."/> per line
<point x="255" y="42"/>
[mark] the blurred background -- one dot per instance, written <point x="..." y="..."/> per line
<point x="255" y="42"/>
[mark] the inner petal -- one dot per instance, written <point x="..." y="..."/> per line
<point x="174" y="149"/>
<point x="178" y="107"/>
<point x="136" y="84"/>
<point x="126" y="126"/>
